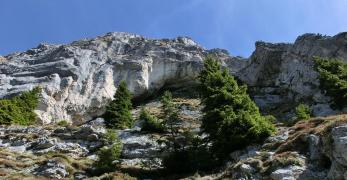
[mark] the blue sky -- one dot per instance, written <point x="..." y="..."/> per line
<point x="234" y="25"/>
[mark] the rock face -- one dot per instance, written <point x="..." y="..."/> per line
<point x="80" y="78"/>
<point x="339" y="153"/>
<point x="283" y="73"/>
<point x="43" y="140"/>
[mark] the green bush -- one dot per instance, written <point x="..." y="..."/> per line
<point x="302" y="112"/>
<point x="191" y="156"/>
<point x="108" y="158"/>
<point x="110" y="137"/>
<point x="150" y="123"/>
<point x="20" y="109"/>
<point x="230" y="118"/>
<point x="118" y="112"/>
<point x="333" y="79"/>
<point x="63" y="123"/>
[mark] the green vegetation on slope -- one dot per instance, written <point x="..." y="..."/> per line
<point x="187" y="153"/>
<point x="20" y="109"/>
<point x="109" y="155"/>
<point x="333" y="79"/>
<point x="231" y="119"/>
<point x="118" y="112"/>
<point x="302" y="112"/>
<point x="150" y="123"/>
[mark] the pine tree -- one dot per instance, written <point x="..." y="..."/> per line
<point x="187" y="152"/>
<point x="118" y="112"/>
<point x="230" y="118"/>
<point x="333" y="79"/>
<point x="171" y="120"/>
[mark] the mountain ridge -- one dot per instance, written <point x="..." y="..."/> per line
<point x="80" y="78"/>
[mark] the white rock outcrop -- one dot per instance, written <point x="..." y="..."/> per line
<point x="80" y="78"/>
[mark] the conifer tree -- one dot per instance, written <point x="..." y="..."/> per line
<point x="187" y="152"/>
<point x="171" y="120"/>
<point x="230" y="118"/>
<point x="118" y="112"/>
<point x="333" y="79"/>
<point x="20" y="109"/>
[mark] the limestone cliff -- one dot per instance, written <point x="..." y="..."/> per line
<point x="283" y="74"/>
<point x="80" y="78"/>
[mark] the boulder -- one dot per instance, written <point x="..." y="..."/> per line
<point x="52" y="169"/>
<point x="339" y="152"/>
<point x="287" y="173"/>
<point x="44" y="143"/>
<point x="89" y="133"/>
<point x="138" y="145"/>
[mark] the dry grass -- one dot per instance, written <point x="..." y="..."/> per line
<point x="186" y="101"/>
<point x="72" y="164"/>
<point x="12" y="164"/>
<point x="282" y="160"/>
<point x="16" y="161"/>
<point x="319" y="126"/>
<point x="2" y="59"/>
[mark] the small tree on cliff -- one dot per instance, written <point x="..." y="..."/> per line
<point x="230" y="118"/>
<point x="118" y="112"/>
<point x="171" y="120"/>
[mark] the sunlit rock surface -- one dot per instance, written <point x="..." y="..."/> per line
<point x="279" y="75"/>
<point x="80" y="78"/>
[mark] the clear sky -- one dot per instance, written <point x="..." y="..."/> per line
<point x="230" y="24"/>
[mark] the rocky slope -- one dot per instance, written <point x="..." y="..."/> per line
<point x="314" y="149"/>
<point x="80" y="78"/>
<point x="56" y="152"/>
